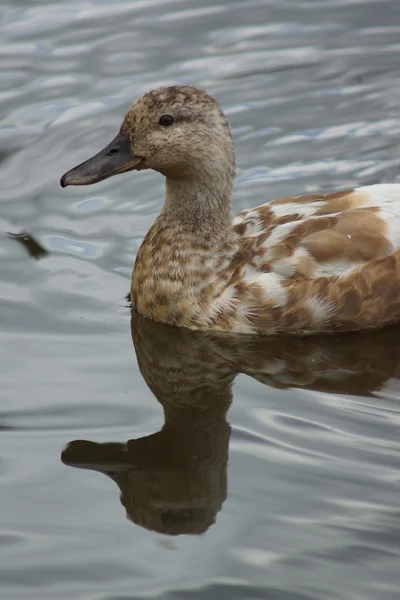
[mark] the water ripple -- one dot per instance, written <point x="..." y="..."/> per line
<point x="307" y="508"/>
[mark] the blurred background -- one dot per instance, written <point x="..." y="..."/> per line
<point x="296" y="499"/>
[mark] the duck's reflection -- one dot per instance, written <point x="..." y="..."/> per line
<point x="174" y="481"/>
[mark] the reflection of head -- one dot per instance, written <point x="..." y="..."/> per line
<point x="180" y="491"/>
<point x="173" y="481"/>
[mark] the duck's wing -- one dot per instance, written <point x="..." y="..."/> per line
<point x="318" y="235"/>
<point x="322" y="262"/>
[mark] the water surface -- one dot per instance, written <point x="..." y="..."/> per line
<point x="247" y="470"/>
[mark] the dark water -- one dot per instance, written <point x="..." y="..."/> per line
<point x="295" y="490"/>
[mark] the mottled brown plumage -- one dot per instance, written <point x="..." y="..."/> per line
<point x="322" y="262"/>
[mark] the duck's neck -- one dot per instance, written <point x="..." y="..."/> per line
<point x="201" y="205"/>
<point x="187" y="250"/>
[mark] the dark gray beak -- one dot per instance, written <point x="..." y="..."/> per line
<point x="115" y="158"/>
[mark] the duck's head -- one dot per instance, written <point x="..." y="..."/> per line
<point x="179" y="131"/>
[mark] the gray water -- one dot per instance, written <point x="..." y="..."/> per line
<point x="276" y="474"/>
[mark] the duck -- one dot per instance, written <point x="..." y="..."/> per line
<point x="317" y="263"/>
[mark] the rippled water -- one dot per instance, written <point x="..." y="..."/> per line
<point x="295" y="490"/>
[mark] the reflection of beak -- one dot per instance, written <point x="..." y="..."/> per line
<point x="115" y="158"/>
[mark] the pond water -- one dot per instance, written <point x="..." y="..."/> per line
<point x="180" y="465"/>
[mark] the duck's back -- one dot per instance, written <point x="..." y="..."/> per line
<point x="319" y="263"/>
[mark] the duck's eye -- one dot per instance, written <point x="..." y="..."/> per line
<point x="166" y="120"/>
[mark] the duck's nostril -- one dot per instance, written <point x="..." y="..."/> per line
<point x="113" y="150"/>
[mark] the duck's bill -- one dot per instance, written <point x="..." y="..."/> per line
<point x="115" y="158"/>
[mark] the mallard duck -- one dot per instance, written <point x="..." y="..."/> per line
<point x="305" y="264"/>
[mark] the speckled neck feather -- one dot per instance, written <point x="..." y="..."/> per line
<point x="202" y="205"/>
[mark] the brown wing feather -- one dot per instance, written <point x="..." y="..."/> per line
<point x="330" y="260"/>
